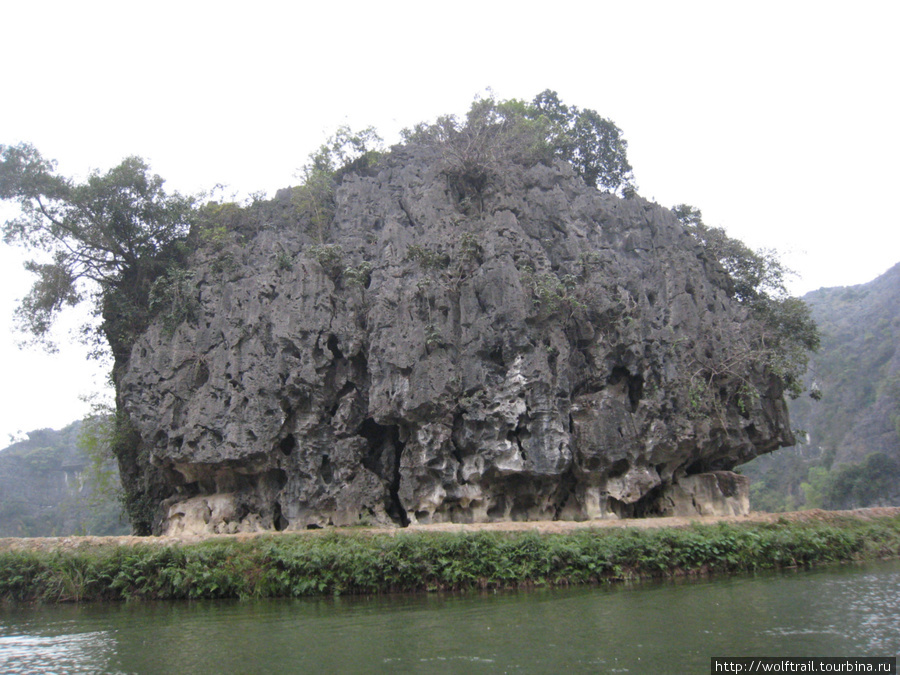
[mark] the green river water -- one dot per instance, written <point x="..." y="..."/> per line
<point x="850" y="610"/>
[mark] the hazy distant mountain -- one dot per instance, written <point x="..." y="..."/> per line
<point x="46" y="490"/>
<point x="857" y="369"/>
<point x="854" y="428"/>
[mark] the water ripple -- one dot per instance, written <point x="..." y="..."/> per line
<point x="75" y="653"/>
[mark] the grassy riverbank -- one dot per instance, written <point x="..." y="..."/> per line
<point x="354" y="562"/>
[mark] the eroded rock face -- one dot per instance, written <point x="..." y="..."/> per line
<point x="718" y="493"/>
<point x="534" y="349"/>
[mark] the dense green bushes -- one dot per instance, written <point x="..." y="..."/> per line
<point x="871" y="481"/>
<point x="788" y="480"/>
<point x="343" y="562"/>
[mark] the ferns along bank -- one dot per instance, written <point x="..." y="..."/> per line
<point x="358" y="562"/>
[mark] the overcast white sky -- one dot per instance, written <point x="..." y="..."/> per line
<point x="778" y="119"/>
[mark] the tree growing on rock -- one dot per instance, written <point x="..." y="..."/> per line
<point x="496" y="132"/>
<point x="103" y="241"/>
<point x="346" y="151"/>
<point x="592" y="144"/>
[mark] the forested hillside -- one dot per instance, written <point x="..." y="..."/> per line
<point x="852" y="420"/>
<point x="48" y="487"/>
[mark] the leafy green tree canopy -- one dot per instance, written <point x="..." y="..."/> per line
<point x="754" y="274"/>
<point x="346" y="149"/>
<point x="591" y="143"/>
<point x="104" y="239"/>
<point x="495" y="131"/>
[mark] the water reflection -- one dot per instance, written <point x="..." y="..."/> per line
<point x="860" y="608"/>
<point x="845" y="611"/>
<point x="66" y="653"/>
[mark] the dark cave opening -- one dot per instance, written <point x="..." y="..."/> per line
<point x="497" y="511"/>
<point x="521" y="433"/>
<point x="647" y="506"/>
<point x="696" y="467"/>
<point x="634" y="385"/>
<point x="619" y="468"/>
<point x="287" y="444"/>
<point x="332" y="345"/>
<point x="523" y="498"/>
<point x="565" y="492"/>
<point x="710" y="464"/>
<point x="326" y="470"/>
<point x="279" y="522"/>
<point x="383" y="459"/>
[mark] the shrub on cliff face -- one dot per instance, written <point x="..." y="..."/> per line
<point x="785" y="330"/>
<point x="346" y="151"/>
<point x="173" y="298"/>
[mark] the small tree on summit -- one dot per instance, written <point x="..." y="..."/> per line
<point x="592" y="144"/>
<point x="346" y="151"/>
<point x="495" y="132"/>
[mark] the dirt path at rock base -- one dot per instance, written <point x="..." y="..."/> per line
<point x="551" y="527"/>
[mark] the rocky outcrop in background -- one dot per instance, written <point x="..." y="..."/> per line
<point x="48" y="488"/>
<point x="849" y="455"/>
<point x="525" y="348"/>
<point x="857" y="371"/>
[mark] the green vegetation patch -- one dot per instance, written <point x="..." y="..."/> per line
<point x="342" y="562"/>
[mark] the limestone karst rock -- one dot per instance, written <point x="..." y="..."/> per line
<point x="528" y="348"/>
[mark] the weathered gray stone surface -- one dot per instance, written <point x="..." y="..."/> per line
<point x="717" y="493"/>
<point x="533" y="350"/>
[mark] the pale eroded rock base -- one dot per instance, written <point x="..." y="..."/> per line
<point x="719" y="493"/>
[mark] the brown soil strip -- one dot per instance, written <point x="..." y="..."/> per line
<point x="554" y="527"/>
